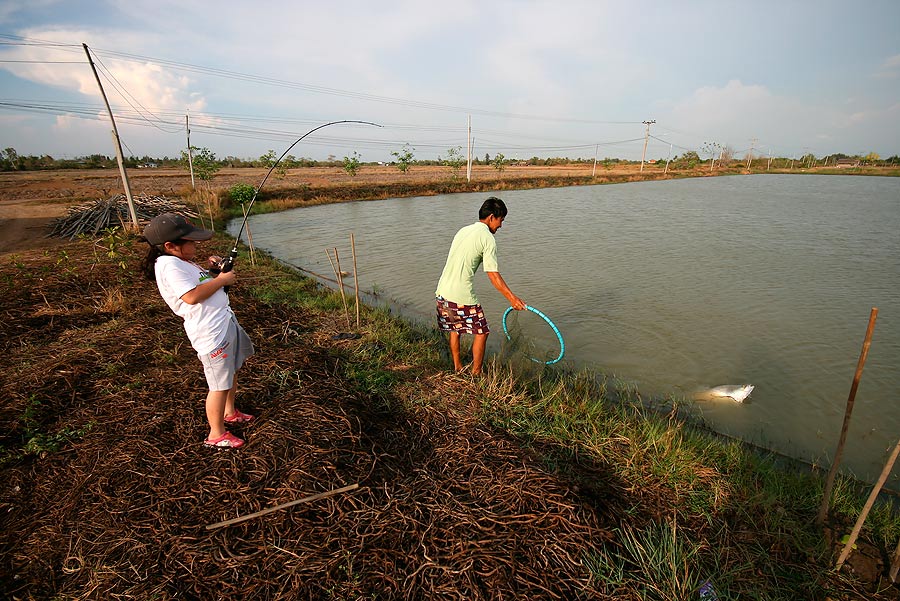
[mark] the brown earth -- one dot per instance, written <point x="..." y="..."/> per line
<point x="29" y="201"/>
<point x="448" y="507"/>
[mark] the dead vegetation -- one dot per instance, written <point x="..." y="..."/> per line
<point x="107" y="488"/>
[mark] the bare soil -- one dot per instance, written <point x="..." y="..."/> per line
<point x="448" y="507"/>
<point x="29" y="201"/>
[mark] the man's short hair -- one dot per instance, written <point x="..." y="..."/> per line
<point x="492" y="206"/>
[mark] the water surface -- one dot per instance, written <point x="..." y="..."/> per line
<point x="673" y="286"/>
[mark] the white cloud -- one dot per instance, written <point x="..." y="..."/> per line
<point x="147" y="84"/>
<point x="890" y="68"/>
<point x="737" y="113"/>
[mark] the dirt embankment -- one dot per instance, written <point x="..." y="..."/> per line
<point x="29" y="201"/>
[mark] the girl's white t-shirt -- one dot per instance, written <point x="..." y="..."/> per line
<point x="206" y="323"/>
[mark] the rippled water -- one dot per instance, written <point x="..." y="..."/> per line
<point x="673" y="286"/>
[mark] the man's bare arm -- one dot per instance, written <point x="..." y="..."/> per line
<point x="497" y="280"/>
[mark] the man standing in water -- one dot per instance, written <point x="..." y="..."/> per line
<point x="458" y="310"/>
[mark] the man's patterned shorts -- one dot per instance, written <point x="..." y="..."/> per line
<point x="464" y="319"/>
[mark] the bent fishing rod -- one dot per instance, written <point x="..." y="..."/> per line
<point x="228" y="263"/>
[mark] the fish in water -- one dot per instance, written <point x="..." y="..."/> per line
<point x="736" y="393"/>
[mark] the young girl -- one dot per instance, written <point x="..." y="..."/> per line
<point x="199" y="299"/>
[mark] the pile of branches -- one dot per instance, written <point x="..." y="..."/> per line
<point x="91" y="218"/>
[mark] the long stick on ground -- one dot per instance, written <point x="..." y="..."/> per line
<point x="885" y="472"/>
<point x="308" y="499"/>
<point x="829" y="481"/>
<point x="355" y="277"/>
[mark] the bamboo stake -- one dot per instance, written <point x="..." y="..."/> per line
<point x="895" y="563"/>
<point x="355" y="277"/>
<point x="829" y="481"/>
<point x="340" y="282"/>
<point x="340" y="278"/>
<point x="885" y="472"/>
<point x="308" y="499"/>
<point x="249" y="237"/>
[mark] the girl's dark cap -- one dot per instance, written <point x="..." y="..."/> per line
<point x="170" y="227"/>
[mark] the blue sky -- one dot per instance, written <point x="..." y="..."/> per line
<point x="561" y="78"/>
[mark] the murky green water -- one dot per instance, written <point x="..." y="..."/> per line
<point x="673" y="286"/>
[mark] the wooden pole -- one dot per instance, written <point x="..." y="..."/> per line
<point x="117" y="142"/>
<point x="187" y="126"/>
<point x="249" y="237"/>
<point x="340" y="281"/>
<point x="895" y="563"/>
<point x="829" y="481"/>
<point x="308" y="499"/>
<point x="355" y="276"/>
<point x="888" y="466"/>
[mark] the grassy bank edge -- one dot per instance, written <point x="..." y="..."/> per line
<point x="723" y="507"/>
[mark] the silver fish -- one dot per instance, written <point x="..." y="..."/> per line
<point x="736" y="393"/>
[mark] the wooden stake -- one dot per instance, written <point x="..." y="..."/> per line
<point x="308" y="499"/>
<point x="895" y="563"/>
<point x="249" y="237"/>
<point x="355" y="277"/>
<point x="340" y="281"/>
<point x="829" y="481"/>
<point x="885" y="472"/>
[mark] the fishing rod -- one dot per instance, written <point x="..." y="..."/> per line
<point x="228" y="263"/>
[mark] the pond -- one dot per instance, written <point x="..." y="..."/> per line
<point x="673" y="287"/>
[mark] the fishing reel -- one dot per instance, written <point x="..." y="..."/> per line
<point x="223" y="266"/>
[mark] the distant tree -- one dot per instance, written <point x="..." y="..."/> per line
<point x="241" y="193"/>
<point x="727" y="154"/>
<point x="498" y="163"/>
<point x="268" y="159"/>
<point x="487" y="159"/>
<point x="808" y="159"/>
<point x="455" y="160"/>
<point x="10" y="159"/>
<point x="205" y="167"/>
<point x="205" y="163"/>
<point x="404" y="157"/>
<point x="351" y="164"/>
<point x="871" y="157"/>
<point x="688" y="160"/>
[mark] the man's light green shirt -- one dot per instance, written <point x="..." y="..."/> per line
<point x="472" y="246"/>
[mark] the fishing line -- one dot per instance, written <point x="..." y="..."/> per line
<point x="562" y="345"/>
<point x="228" y="263"/>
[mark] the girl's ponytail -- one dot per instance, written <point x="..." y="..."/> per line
<point x="148" y="264"/>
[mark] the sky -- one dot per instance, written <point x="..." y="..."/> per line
<point x="560" y="78"/>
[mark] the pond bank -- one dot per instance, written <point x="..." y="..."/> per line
<point x="528" y="484"/>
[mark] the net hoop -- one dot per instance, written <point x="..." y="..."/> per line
<point x="562" y="345"/>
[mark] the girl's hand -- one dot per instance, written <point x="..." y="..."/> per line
<point x="227" y="278"/>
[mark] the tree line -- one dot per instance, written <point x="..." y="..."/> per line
<point x="11" y="160"/>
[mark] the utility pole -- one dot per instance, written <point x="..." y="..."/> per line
<point x="469" y="149"/>
<point x="770" y="159"/>
<point x="668" y="158"/>
<point x="750" y="154"/>
<point x="187" y="126"/>
<point x="117" y="141"/>
<point x="596" y="150"/>
<point x="646" y="139"/>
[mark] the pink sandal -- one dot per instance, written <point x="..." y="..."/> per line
<point x="227" y="440"/>
<point x="238" y="418"/>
